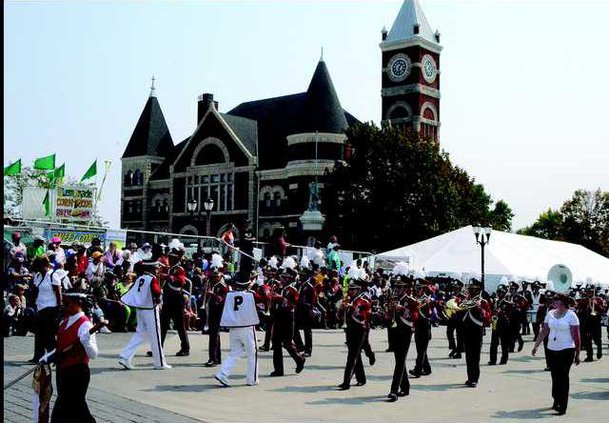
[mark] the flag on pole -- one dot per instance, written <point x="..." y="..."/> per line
<point x="13" y="169"/>
<point x="91" y="172"/>
<point x="47" y="204"/>
<point x="60" y="172"/>
<point x="45" y="163"/>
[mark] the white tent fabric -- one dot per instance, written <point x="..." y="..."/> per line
<point x="514" y="256"/>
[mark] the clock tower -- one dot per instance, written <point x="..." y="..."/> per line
<point x="411" y="73"/>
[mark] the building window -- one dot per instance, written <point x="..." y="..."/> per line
<point x="138" y="178"/>
<point x="277" y="198"/>
<point x="129" y="179"/>
<point x="219" y="187"/>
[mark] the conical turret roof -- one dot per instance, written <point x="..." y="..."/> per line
<point x="151" y="135"/>
<point x="323" y="109"/>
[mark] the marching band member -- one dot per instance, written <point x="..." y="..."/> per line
<point x="284" y="305"/>
<point x="500" y="326"/>
<point x="240" y="316"/>
<point x="475" y="317"/>
<point x="75" y="346"/>
<point x="357" y="316"/>
<point x="173" y="300"/>
<point x="403" y="311"/>
<point x="305" y="311"/>
<point x="515" y="323"/>
<point x="145" y="296"/>
<point x="216" y="296"/>
<point x="422" y="332"/>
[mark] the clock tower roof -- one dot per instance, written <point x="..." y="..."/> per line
<point x="410" y="22"/>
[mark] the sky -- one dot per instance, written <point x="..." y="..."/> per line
<point x="523" y="83"/>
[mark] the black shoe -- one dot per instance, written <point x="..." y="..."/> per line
<point x="211" y="364"/>
<point x="343" y="387"/>
<point x="389" y="350"/>
<point x="372" y="359"/>
<point x="307" y="354"/>
<point x="300" y="366"/>
<point x="490" y="363"/>
<point x="276" y="374"/>
<point x="547" y="369"/>
<point x="561" y="412"/>
<point x="403" y="394"/>
<point x="457" y="356"/>
<point x="360" y="383"/>
<point x="392" y="397"/>
<point x="426" y="373"/>
<point x="451" y="355"/>
<point x="588" y="360"/>
<point x="148" y="353"/>
<point x="555" y="407"/>
<point x="414" y="374"/>
<point x="472" y="384"/>
<point x="182" y="353"/>
<point x="467" y="382"/>
<point x="263" y="348"/>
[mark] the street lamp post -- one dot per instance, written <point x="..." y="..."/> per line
<point x="208" y="205"/>
<point x="483" y="235"/>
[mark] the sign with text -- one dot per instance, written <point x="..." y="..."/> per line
<point x="75" y="203"/>
<point x="68" y="236"/>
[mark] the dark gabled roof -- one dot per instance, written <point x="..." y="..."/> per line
<point x="317" y="109"/>
<point x="245" y="129"/>
<point x="162" y="172"/>
<point x="151" y="136"/>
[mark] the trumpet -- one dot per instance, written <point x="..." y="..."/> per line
<point x="345" y="303"/>
<point x="494" y="321"/>
<point x="392" y="305"/>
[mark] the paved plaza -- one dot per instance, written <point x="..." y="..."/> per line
<point x="189" y="393"/>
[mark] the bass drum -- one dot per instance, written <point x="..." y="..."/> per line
<point x="561" y="277"/>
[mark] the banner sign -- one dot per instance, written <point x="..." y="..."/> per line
<point x="75" y="203"/>
<point x="118" y="236"/>
<point x="68" y="236"/>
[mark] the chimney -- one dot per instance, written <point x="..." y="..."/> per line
<point x="415" y="29"/>
<point x="205" y="102"/>
<point x="384" y="34"/>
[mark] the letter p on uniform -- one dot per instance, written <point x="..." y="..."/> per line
<point x="238" y="300"/>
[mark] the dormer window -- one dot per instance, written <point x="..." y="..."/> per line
<point x="415" y="28"/>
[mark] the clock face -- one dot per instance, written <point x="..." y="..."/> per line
<point x="428" y="67"/>
<point x="399" y="67"/>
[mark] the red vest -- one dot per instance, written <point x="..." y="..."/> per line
<point x="67" y="337"/>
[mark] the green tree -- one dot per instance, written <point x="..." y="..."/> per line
<point x="397" y="188"/>
<point x="583" y="219"/>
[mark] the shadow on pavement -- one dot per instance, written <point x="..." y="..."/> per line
<point x="524" y="371"/>
<point x="596" y="379"/>
<point x="308" y="389"/>
<point x="318" y="367"/>
<point x="348" y="400"/>
<point x="184" y="388"/>
<point x="439" y="387"/>
<point x="591" y="395"/>
<point x="535" y="413"/>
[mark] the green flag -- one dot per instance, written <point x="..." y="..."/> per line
<point x="60" y="172"/>
<point x="13" y="169"/>
<point x="47" y="204"/>
<point x="45" y="163"/>
<point x="91" y="172"/>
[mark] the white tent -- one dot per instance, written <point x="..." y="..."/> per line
<point x="514" y="256"/>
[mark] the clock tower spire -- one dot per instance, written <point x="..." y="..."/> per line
<point x="411" y="73"/>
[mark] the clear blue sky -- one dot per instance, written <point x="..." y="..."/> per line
<point x="524" y="86"/>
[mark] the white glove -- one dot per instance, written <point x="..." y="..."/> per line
<point x="45" y="358"/>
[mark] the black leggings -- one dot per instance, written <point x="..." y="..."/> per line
<point x="560" y="364"/>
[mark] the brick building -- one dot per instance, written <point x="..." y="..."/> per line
<point x="259" y="160"/>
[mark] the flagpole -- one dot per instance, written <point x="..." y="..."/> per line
<point x="107" y="165"/>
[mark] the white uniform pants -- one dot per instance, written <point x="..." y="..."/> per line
<point x="148" y="327"/>
<point x="242" y="344"/>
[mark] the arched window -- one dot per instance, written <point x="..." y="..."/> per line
<point x="165" y="208"/>
<point x="210" y="154"/>
<point x="129" y="179"/>
<point x="277" y="198"/>
<point x="138" y="178"/>
<point x="267" y="199"/>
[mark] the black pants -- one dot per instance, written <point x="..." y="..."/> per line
<point x="401" y="337"/>
<point x="71" y="402"/>
<point x="422" y="335"/>
<point x="356" y="337"/>
<point x="515" y="328"/>
<point x="535" y="330"/>
<point x="283" y="337"/>
<point x="214" y="346"/>
<point x="47" y="321"/>
<point x="305" y="326"/>
<point x="560" y="364"/>
<point x="367" y="348"/>
<point x="267" y="333"/>
<point x="472" y="341"/>
<point x="500" y="336"/>
<point x="173" y="310"/>
<point x="451" y="328"/>
<point x="459" y="331"/>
